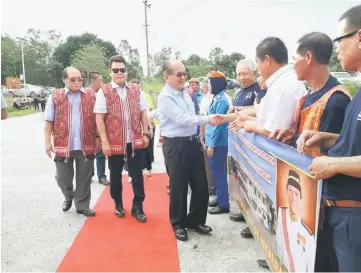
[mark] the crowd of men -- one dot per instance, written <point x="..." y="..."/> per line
<point x="112" y="120"/>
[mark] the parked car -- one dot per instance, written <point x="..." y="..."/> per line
<point x="27" y="90"/>
<point x="233" y="85"/>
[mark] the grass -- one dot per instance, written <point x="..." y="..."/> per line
<point x="19" y="113"/>
<point x="12" y="112"/>
<point x="352" y="87"/>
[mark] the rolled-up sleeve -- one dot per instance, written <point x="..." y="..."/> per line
<point x="143" y="102"/>
<point x="49" y="113"/>
<point x="100" y="106"/>
<point x="168" y="108"/>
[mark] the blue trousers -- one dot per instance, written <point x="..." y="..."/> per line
<point x="339" y="242"/>
<point x="218" y="164"/>
<point x="100" y="158"/>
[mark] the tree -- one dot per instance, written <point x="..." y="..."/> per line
<point x="91" y="58"/>
<point x="158" y="59"/>
<point x="38" y="49"/>
<point x="197" y="66"/>
<point x="64" y="52"/>
<point x="131" y="55"/>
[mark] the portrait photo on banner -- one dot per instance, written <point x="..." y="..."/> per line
<point x="296" y="201"/>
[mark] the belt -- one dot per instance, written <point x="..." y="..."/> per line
<point x="191" y="138"/>
<point x="342" y="203"/>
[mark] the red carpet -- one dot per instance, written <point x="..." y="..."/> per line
<point x="107" y="243"/>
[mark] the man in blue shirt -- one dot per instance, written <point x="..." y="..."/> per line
<point x="250" y="89"/>
<point x="183" y="153"/>
<point x="340" y="170"/>
<point x="194" y="84"/>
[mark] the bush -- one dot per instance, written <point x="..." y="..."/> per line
<point x="153" y="88"/>
<point x="352" y="86"/>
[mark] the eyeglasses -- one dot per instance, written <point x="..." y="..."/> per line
<point x="117" y="70"/>
<point x="338" y="39"/>
<point x="180" y="74"/>
<point x="74" y="80"/>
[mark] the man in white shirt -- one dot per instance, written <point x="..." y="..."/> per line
<point x="122" y="122"/>
<point x="278" y="107"/>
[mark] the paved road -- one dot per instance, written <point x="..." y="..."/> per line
<point x="35" y="233"/>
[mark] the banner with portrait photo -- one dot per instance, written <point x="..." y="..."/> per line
<point x="278" y="197"/>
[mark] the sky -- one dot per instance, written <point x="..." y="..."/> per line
<point x="188" y="26"/>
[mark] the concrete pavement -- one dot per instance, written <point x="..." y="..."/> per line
<point x="36" y="234"/>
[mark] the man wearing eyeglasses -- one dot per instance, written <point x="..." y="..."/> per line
<point x="122" y="122"/>
<point x="70" y="120"/>
<point x="183" y="152"/>
<point x="340" y="169"/>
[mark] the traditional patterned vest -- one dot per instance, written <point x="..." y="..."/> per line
<point x="115" y="119"/>
<point x="62" y="122"/>
<point x="310" y="117"/>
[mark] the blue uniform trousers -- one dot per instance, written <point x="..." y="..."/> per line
<point x="100" y="161"/>
<point x="339" y="242"/>
<point x="218" y="164"/>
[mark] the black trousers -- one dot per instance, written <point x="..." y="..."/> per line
<point x="116" y="164"/>
<point x="185" y="164"/>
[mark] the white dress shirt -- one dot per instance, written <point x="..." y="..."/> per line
<point x="277" y="109"/>
<point x="101" y="105"/>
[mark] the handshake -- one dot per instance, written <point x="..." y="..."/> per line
<point x="216" y="119"/>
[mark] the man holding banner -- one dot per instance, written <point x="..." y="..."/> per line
<point x="295" y="241"/>
<point x="341" y="221"/>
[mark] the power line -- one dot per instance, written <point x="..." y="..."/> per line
<point x="147" y="6"/>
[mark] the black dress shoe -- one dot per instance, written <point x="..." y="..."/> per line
<point x="202" y="229"/>
<point x="86" y="212"/>
<point x="139" y="215"/>
<point x="104" y="181"/>
<point x="213" y="203"/>
<point x="263" y="264"/>
<point x="181" y="234"/>
<point x="119" y="210"/>
<point x="67" y="205"/>
<point x="238" y="217"/>
<point x="246" y="233"/>
<point x="218" y="210"/>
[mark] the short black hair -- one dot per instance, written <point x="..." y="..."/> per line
<point x="94" y="75"/>
<point x="275" y="48"/>
<point x="117" y="59"/>
<point x="320" y="44"/>
<point x="136" y="81"/>
<point x="353" y="18"/>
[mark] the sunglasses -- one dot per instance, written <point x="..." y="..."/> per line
<point x="117" y="70"/>
<point x="180" y="74"/>
<point x="74" y="80"/>
<point x="338" y="39"/>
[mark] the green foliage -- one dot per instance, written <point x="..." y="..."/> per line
<point x="131" y="55"/>
<point x="91" y="58"/>
<point x="352" y="86"/>
<point x="334" y="63"/>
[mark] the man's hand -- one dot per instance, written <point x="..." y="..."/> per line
<point x="237" y="124"/>
<point x="106" y="148"/>
<point x="283" y="135"/>
<point x="146" y="141"/>
<point x="307" y="139"/>
<point x="322" y="167"/>
<point x="216" y="119"/>
<point x="210" y="152"/>
<point x="49" y="149"/>
<point x="98" y="145"/>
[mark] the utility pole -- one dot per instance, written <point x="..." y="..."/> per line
<point x="22" y="57"/>
<point x="147" y="6"/>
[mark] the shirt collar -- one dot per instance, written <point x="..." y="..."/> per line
<point x="277" y="74"/>
<point x="114" y="85"/>
<point x="174" y="91"/>
<point x="67" y="90"/>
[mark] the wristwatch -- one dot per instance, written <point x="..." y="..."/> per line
<point x="147" y="135"/>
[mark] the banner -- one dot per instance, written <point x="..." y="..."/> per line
<point x="278" y="198"/>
